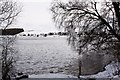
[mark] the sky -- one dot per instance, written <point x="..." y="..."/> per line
<point x="35" y="15"/>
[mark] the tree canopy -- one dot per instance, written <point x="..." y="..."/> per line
<point x="92" y="26"/>
<point x="9" y="10"/>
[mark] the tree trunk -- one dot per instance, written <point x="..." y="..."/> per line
<point x="79" y="64"/>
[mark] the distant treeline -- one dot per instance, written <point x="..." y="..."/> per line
<point x="45" y="35"/>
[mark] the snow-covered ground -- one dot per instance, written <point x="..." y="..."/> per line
<point x="51" y="57"/>
<point x="45" y="55"/>
<point x="108" y="73"/>
<point x="49" y="75"/>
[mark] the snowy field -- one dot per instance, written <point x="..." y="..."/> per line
<point x="45" y="55"/>
<point x="51" y="57"/>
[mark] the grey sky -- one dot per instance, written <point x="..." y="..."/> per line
<point x="36" y="16"/>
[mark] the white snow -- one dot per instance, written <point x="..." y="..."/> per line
<point x="44" y="54"/>
<point x="49" y="75"/>
<point x="109" y="72"/>
<point x="39" y="57"/>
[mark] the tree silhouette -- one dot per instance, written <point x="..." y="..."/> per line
<point x="9" y="10"/>
<point x="97" y="25"/>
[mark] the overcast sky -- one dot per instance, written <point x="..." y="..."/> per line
<point x="36" y="15"/>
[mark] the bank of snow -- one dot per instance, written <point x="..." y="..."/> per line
<point x="51" y="75"/>
<point x="109" y="72"/>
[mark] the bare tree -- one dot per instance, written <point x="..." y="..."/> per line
<point x="93" y="27"/>
<point x="9" y="57"/>
<point x="9" y="10"/>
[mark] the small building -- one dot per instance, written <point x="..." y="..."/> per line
<point x="11" y="31"/>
